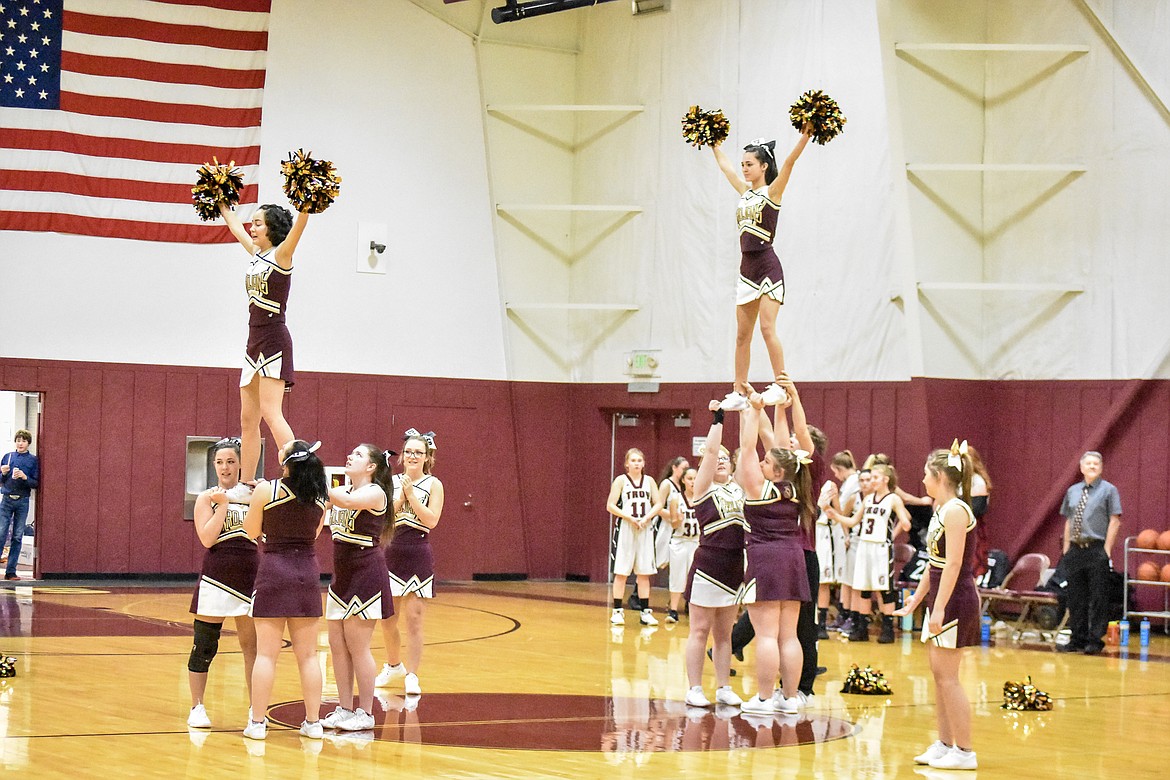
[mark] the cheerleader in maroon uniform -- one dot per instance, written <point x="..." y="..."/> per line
<point x="270" y="241"/>
<point x="227" y="577"/>
<point x="290" y="513"/>
<point x="760" y="291"/>
<point x="778" y="512"/>
<point x="952" y="617"/>
<point x="715" y="580"/>
<point x="418" y="504"/>
<point x="360" y="592"/>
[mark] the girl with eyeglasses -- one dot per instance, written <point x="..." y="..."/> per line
<point x="760" y="183"/>
<point x="290" y="513"/>
<point x="227" y="577"/>
<point x="418" y="504"/>
<point x="359" y="593"/>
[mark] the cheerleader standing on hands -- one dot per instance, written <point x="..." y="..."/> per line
<point x="270" y="240"/>
<point x="760" y="291"/>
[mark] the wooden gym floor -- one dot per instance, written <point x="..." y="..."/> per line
<point x="529" y="680"/>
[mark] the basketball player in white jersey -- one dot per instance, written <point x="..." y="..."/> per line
<point x="633" y="506"/>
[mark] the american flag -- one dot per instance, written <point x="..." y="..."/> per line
<point x="108" y="107"/>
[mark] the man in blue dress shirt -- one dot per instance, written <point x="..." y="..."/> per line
<point x="19" y="475"/>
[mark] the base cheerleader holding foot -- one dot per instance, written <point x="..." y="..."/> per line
<point x="359" y="594"/>
<point x="227" y="576"/>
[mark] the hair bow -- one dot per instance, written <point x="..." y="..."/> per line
<point x="767" y="146"/>
<point x="300" y="453"/>
<point x="228" y="441"/>
<point x="388" y="454"/>
<point x="428" y="437"/>
<point x="955" y="459"/>
<point x="802" y="459"/>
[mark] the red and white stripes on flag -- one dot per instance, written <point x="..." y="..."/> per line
<point x="149" y="91"/>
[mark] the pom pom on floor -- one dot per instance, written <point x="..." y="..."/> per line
<point x="1023" y="695"/>
<point x="868" y="681"/>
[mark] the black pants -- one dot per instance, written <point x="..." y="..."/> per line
<point x="1087" y="571"/>
<point x="806" y="627"/>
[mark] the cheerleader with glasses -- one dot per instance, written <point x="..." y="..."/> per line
<point x="418" y="504"/>
<point x="760" y="182"/>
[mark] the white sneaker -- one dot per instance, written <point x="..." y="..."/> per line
<point x="725" y="695"/>
<point x="312" y="730"/>
<point x="618" y="618"/>
<point x="956" y="759"/>
<point x="774" y="395"/>
<point x="696" y="698"/>
<point x="788" y="706"/>
<point x="932" y="753"/>
<point x="647" y="618"/>
<point x="411" y="684"/>
<point x="358" y="720"/>
<point x="757" y="706"/>
<point x="388" y="675"/>
<point x="333" y="720"/>
<point x="198" y="718"/>
<point x="256" y="730"/>
<point x="734" y="402"/>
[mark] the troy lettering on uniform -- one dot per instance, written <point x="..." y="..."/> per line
<point x="234" y="520"/>
<point x="343" y="520"/>
<point x="751" y="212"/>
<point x="728" y="507"/>
<point x="257" y="284"/>
<point x="635" y="494"/>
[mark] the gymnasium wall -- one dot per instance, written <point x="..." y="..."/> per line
<point x="526" y="466"/>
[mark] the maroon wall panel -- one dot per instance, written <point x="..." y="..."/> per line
<point x="526" y="466"/>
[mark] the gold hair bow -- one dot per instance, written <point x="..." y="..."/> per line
<point x="955" y="459"/>
<point x="803" y="458"/>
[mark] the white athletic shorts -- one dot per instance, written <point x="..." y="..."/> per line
<point x="872" y="571"/>
<point x="662" y="536"/>
<point x="635" y="551"/>
<point x="682" y="554"/>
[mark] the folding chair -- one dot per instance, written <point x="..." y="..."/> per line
<point x="1019" y="592"/>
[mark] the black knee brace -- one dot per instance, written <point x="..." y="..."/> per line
<point x="205" y="647"/>
<point x="890" y="596"/>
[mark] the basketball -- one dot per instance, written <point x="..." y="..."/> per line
<point x="1164" y="541"/>
<point x="1148" y="539"/>
<point x="1166" y="573"/>
<point x="1148" y="571"/>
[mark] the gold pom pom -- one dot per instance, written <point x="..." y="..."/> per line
<point x="216" y="184"/>
<point x="1025" y="696"/>
<point x="705" y="128"/>
<point x="821" y="113"/>
<point x="311" y="185"/>
<point x="868" y="681"/>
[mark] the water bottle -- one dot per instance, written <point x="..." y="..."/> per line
<point x="1145" y="632"/>
<point x="1124" y="632"/>
<point x="985" y="629"/>
<point x="907" y="620"/>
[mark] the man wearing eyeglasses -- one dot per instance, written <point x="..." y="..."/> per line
<point x="1093" y="511"/>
